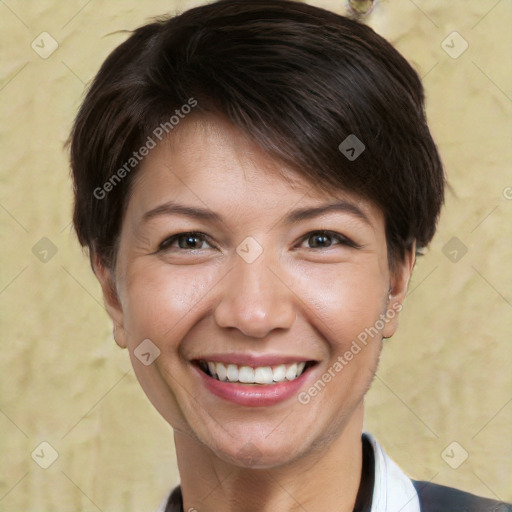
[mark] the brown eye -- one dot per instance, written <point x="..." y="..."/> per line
<point x="325" y="239"/>
<point x="189" y="240"/>
<point x="320" y="240"/>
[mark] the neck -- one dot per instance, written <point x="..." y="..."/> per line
<point x="325" y="477"/>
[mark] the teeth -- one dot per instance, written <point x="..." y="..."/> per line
<point x="221" y="370"/>
<point x="246" y="374"/>
<point x="279" y="373"/>
<point x="213" y="370"/>
<point x="232" y="373"/>
<point x="260" y="375"/>
<point x="291" y="372"/>
<point x="263" y="375"/>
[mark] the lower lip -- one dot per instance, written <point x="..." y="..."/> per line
<point x="256" y="395"/>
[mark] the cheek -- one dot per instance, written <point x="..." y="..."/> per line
<point x="162" y="303"/>
<point x="161" y="300"/>
<point x="345" y="300"/>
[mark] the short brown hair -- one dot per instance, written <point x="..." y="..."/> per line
<point x="297" y="79"/>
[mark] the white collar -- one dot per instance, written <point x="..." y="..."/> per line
<point x="393" y="490"/>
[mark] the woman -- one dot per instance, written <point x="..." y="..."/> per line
<point x="253" y="181"/>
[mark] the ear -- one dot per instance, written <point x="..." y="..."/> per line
<point x="110" y="298"/>
<point x="398" y="286"/>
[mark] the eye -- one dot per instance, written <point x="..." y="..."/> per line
<point x="324" y="239"/>
<point x="191" y="240"/>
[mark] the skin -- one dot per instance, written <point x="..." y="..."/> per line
<point x="297" y="298"/>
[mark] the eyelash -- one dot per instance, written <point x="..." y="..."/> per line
<point x="165" y="245"/>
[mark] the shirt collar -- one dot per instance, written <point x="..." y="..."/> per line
<point x="393" y="490"/>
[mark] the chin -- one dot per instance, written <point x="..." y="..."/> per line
<point x="257" y="451"/>
<point x="250" y="456"/>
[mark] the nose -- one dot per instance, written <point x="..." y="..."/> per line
<point x="255" y="299"/>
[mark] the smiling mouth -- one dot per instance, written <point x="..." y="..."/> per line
<point x="258" y="375"/>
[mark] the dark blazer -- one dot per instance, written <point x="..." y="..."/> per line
<point x="438" y="498"/>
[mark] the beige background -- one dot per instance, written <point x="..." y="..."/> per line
<point x="445" y="377"/>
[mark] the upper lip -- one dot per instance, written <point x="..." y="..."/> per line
<point x="246" y="359"/>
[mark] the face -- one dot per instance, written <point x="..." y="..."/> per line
<point x="234" y="267"/>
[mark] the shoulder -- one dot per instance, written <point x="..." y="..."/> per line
<point x="439" y="498"/>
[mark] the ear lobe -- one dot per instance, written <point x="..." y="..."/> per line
<point x="110" y="298"/>
<point x="398" y="286"/>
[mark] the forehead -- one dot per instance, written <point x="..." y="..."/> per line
<point x="208" y="161"/>
<point x="210" y="146"/>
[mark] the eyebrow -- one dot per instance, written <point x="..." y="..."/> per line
<point x="172" y="208"/>
<point x="338" y="206"/>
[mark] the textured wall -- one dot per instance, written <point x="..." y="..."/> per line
<point x="444" y="378"/>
